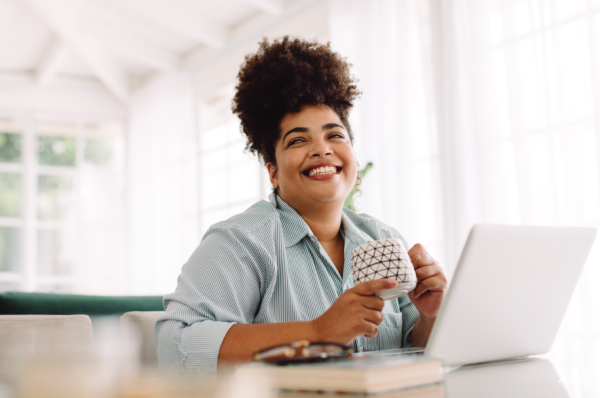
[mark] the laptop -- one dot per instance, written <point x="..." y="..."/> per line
<point x="509" y="293"/>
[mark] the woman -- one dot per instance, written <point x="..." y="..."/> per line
<point x="280" y="271"/>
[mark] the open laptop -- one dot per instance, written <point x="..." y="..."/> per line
<point x="509" y="293"/>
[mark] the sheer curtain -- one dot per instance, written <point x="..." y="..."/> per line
<point x="503" y="99"/>
<point x="395" y="121"/>
<point x="524" y="79"/>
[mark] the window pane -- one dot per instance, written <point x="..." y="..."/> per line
<point x="10" y="194"/>
<point x="54" y="196"/>
<point x="10" y="148"/>
<point x="56" y="151"/>
<point x="10" y="249"/>
<point x="99" y="151"/>
<point x="51" y="253"/>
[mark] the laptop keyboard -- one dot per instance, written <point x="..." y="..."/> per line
<point x="394" y="352"/>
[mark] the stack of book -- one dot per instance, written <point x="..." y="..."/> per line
<point x="390" y="376"/>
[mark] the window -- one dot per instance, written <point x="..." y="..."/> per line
<point x="61" y="206"/>
<point x="231" y="179"/>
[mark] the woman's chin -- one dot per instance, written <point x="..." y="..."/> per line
<point x="326" y="196"/>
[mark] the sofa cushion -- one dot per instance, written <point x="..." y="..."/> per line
<point x="137" y="334"/>
<point x="20" y="303"/>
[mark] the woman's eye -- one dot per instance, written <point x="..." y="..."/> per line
<point x="337" y="135"/>
<point x="294" y="141"/>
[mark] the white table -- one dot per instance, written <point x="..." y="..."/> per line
<point x="570" y="370"/>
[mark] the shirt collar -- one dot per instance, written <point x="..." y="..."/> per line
<point x="351" y="232"/>
<point x="293" y="225"/>
<point x="295" y="228"/>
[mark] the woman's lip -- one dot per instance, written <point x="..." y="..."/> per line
<point x="321" y="177"/>
<point x="321" y="164"/>
<point x="307" y="171"/>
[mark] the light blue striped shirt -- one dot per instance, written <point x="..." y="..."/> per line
<point x="264" y="266"/>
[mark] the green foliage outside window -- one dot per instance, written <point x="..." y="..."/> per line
<point x="10" y="194"/>
<point x="53" y="194"/>
<point x="99" y="151"/>
<point x="10" y="148"/>
<point x="56" y="151"/>
<point x="10" y="245"/>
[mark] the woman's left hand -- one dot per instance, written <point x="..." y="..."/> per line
<point x="431" y="282"/>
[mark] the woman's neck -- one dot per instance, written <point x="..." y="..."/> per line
<point x="324" y="221"/>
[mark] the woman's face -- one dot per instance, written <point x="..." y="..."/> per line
<point x="316" y="163"/>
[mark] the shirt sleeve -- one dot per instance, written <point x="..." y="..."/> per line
<point x="221" y="285"/>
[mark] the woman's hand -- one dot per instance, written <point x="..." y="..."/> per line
<point x="431" y="282"/>
<point x="356" y="312"/>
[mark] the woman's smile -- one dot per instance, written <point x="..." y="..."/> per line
<point x="322" y="171"/>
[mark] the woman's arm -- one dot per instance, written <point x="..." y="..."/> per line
<point x="356" y="312"/>
<point x="421" y="331"/>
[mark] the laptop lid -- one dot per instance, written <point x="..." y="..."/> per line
<point x="509" y="293"/>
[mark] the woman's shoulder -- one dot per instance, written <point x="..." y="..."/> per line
<point x="260" y="214"/>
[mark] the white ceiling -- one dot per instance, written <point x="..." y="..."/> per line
<point x="120" y="43"/>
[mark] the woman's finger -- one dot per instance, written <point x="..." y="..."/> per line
<point x="416" y="249"/>
<point x="373" y="316"/>
<point x="370" y="287"/>
<point x="422" y="259"/>
<point x="436" y="283"/>
<point x="428" y="272"/>
<point x="373" y="302"/>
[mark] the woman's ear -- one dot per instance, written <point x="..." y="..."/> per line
<point x="272" y="169"/>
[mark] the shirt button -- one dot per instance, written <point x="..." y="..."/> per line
<point x="360" y="349"/>
<point x="345" y="287"/>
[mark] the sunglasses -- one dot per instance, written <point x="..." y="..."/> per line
<point x="302" y="352"/>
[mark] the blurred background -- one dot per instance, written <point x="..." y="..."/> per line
<point x="118" y="148"/>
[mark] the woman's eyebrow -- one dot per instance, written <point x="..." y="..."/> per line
<point x="330" y="126"/>
<point x="295" y="130"/>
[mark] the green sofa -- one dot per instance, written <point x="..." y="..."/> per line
<point x="20" y="303"/>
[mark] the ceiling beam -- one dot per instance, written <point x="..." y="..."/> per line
<point x="272" y="7"/>
<point x="250" y="30"/>
<point x="129" y="47"/>
<point x="50" y="62"/>
<point x="62" y="17"/>
<point x="194" y="27"/>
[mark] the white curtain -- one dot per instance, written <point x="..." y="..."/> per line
<point x="163" y="221"/>
<point x="503" y="99"/>
<point x="394" y="122"/>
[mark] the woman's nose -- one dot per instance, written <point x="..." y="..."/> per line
<point x="321" y="150"/>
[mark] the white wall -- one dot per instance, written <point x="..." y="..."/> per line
<point x="162" y="175"/>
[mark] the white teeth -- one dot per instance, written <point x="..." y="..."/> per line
<point x="322" y="170"/>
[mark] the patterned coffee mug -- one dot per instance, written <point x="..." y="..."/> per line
<point x="384" y="259"/>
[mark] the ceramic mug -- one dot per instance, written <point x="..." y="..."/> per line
<point x="384" y="259"/>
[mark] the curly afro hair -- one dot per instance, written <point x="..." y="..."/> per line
<point x="281" y="78"/>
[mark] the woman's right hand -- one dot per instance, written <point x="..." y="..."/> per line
<point x="356" y="312"/>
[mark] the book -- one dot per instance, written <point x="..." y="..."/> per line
<point x="360" y="375"/>
<point x="426" y="391"/>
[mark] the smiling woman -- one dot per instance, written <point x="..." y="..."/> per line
<point x="281" y="271"/>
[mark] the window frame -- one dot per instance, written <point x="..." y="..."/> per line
<point x="28" y="277"/>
